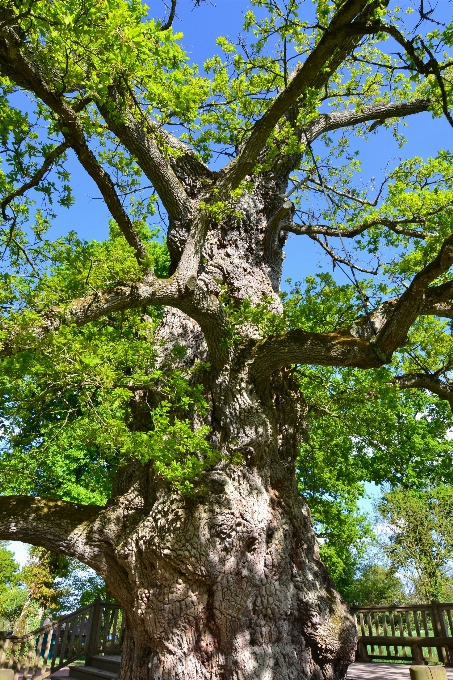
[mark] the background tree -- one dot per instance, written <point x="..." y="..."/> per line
<point x="157" y="398"/>
<point x="420" y="539"/>
<point x="377" y="584"/>
<point x="80" y="587"/>
<point x="39" y="575"/>
<point x="12" y="595"/>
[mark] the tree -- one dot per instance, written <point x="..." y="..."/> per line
<point x="12" y="596"/>
<point x="40" y="575"/>
<point x="420" y="540"/>
<point x="375" y="585"/>
<point x="157" y="398"/>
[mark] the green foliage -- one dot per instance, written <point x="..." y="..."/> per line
<point x="12" y="594"/>
<point x="39" y="575"/>
<point x="376" y="585"/>
<point x="8" y="566"/>
<point x="67" y="407"/>
<point x="67" y="401"/>
<point x="420" y="540"/>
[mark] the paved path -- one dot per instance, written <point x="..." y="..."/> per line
<point x="356" y="671"/>
<point x="382" y="671"/>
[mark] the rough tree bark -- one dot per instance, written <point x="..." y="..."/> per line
<point x="227" y="584"/>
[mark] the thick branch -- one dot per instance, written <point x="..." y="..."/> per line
<point x="336" y="43"/>
<point x="439" y="300"/>
<point x="393" y="333"/>
<point x="56" y="525"/>
<point x="327" y="122"/>
<point x="159" y="172"/>
<point x="185" y="159"/>
<point x="181" y="291"/>
<point x="356" y="345"/>
<point x="393" y="225"/>
<point x="22" y="71"/>
<point x="426" y="381"/>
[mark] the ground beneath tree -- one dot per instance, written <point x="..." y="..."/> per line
<point x="356" y="671"/>
<point x="382" y="671"/>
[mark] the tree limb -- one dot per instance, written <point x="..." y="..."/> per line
<point x="356" y="345"/>
<point x="393" y="225"/>
<point x="159" y="172"/>
<point x="86" y="532"/>
<point x="327" y="122"/>
<point x="24" y="73"/>
<point x="180" y="291"/>
<point x="37" y="177"/>
<point x="426" y="381"/>
<point x="336" y="43"/>
<point x="57" y="525"/>
<point x="393" y="333"/>
<point x="439" y="300"/>
<point x="171" y="16"/>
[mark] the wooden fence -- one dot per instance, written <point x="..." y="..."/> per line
<point x="88" y="631"/>
<point x="413" y="633"/>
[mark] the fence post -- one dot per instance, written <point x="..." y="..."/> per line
<point x="92" y="638"/>
<point x="443" y="632"/>
<point x="2" y="646"/>
<point x="438" y="630"/>
<point x="362" y="652"/>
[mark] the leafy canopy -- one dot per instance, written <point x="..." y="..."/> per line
<point x="66" y="405"/>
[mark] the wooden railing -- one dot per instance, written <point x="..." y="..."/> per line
<point x="412" y="633"/>
<point x="91" y="630"/>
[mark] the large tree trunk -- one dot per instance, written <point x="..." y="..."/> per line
<point x="231" y="586"/>
<point x="228" y="583"/>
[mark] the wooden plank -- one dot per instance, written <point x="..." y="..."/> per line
<point x="12" y="656"/>
<point x="450" y="620"/>
<point x="71" y="644"/>
<point x="417" y="623"/>
<point x="447" y="652"/>
<point x="64" y="642"/>
<point x="4" y="646"/>
<point x="46" y="652"/>
<point x="362" y="624"/>
<point x="408" y="623"/>
<point x="30" y="654"/>
<point x="37" y="655"/>
<point x="426" y="628"/>
<point x="401" y="630"/>
<point x="378" y="631"/>
<point x="54" y="644"/>
<point x="398" y="640"/>
<point x="20" y="656"/>
<point x="402" y="607"/>
<point x="80" y="641"/>
<point x="106" y="628"/>
<point x="114" y="628"/>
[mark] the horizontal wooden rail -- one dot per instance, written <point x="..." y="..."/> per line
<point x="397" y="640"/>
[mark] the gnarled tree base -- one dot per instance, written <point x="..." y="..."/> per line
<point x="232" y="587"/>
